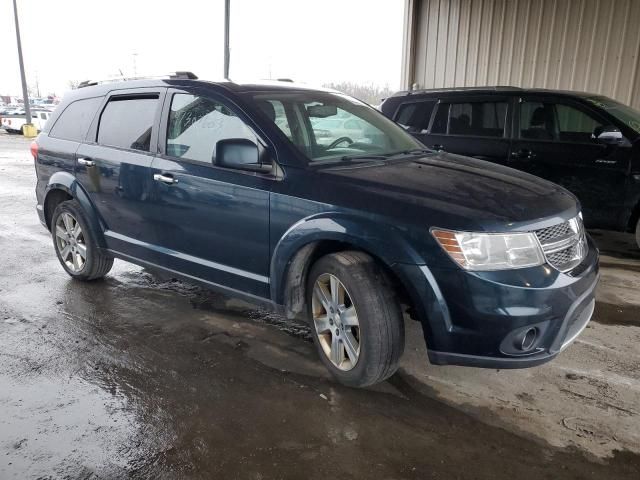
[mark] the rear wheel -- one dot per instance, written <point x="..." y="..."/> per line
<point x="75" y="247"/>
<point x="356" y="320"/>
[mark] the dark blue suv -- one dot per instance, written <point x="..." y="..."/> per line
<point x="316" y="204"/>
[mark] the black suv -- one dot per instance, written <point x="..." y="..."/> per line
<point x="587" y="143"/>
<point x="316" y="204"/>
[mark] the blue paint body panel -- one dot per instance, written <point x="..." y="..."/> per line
<point x="238" y="231"/>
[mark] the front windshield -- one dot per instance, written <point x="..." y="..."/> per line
<point x="328" y="126"/>
<point x="627" y="115"/>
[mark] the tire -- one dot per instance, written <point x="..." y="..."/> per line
<point x="638" y="233"/>
<point x="95" y="264"/>
<point x="380" y="331"/>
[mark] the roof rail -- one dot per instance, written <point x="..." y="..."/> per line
<point x="183" y="75"/>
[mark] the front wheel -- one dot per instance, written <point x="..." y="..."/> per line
<point x="356" y="320"/>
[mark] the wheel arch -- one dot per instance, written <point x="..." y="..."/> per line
<point x="63" y="186"/>
<point x="311" y="238"/>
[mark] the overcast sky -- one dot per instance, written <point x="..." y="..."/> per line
<point x="310" y="41"/>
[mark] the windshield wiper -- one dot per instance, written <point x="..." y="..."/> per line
<point x="365" y="156"/>
<point x="415" y="151"/>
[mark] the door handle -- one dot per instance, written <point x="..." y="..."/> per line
<point x="523" y="153"/>
<point x="86" y="162"/>
<point x="437" y="147"/>
<point x="168" y="179"/>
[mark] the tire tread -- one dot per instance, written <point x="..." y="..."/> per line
<point x="388" y="327"/>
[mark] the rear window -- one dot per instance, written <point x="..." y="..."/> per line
<point x="74" y="121"/>
<point x="127" y="123"/>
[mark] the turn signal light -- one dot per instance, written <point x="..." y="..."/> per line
<point x="449" y="242"/>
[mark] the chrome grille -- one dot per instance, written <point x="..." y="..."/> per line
<point x="549" y="234"/>
<point x="564" y="245"/>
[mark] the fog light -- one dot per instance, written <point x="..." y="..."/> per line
<point x="529" y="339"/>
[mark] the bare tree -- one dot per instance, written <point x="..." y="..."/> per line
<point x="371" y="94"/>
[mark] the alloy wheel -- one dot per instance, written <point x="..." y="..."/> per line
<point x="336" y="322"/>
<point x="70" y="242"/>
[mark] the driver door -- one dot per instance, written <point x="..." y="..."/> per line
<point x="212" y="221"/>
<point x="552" y="140"/>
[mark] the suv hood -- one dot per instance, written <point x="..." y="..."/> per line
<point x="453" y="191"/>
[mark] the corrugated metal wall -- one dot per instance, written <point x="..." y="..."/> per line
<point x="588" y="45"/>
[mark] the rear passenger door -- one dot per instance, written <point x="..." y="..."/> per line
<point x="554" y="141"/>
<point x="114" y="167"/>
<point x="471" y="126"/>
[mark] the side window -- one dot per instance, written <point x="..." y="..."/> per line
<point x="441" y="119"/>
<point x="196" y="124"/>
<point x="485" y="119"/>
<point x="575" y="125"/>
<point x="127" y="123"/>
<point x="275" y="110"/>
<point x="74" y="121"/>
<point x="415" y="117"/>
<point x="551" y="121"/>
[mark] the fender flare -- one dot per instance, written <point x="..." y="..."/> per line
<point x="384" y="242"/>
<point x="66" y="182"/>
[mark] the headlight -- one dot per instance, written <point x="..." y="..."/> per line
<point x="491" y="251"/>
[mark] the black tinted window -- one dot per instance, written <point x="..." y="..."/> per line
<point x="415" y="117"/>
<point x="484" y="119"/>
<point x="550" y="121"/>
<point x="127" y="123"/>
<point x="441" y="119"/>
<point x="74" y="121"/>
<point x="196" y="124"/>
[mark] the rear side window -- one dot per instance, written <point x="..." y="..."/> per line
<point x="74" y="121"/>
<point x="127" y="123"/>
<point x="479" y="119"/>
<point x="415" y="117"/>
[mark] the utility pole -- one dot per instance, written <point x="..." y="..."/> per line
<point x="226" y="38"/>
<point x="25" y="93"/>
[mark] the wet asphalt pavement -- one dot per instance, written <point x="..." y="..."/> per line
<point x="139" y="376"/>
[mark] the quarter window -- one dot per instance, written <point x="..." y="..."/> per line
<point x="74" y="121"/>
<point x="415" y="117"/>
<point x="196" y="124"/>
<point x="128" y="122"/>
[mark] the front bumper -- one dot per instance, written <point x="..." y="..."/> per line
<point x="480" y="318"/>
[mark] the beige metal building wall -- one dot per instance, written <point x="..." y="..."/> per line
<point x="588" y="45"/>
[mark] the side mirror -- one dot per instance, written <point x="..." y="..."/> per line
<point x="608" y="135"/>
<point x="240" y="153"/>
